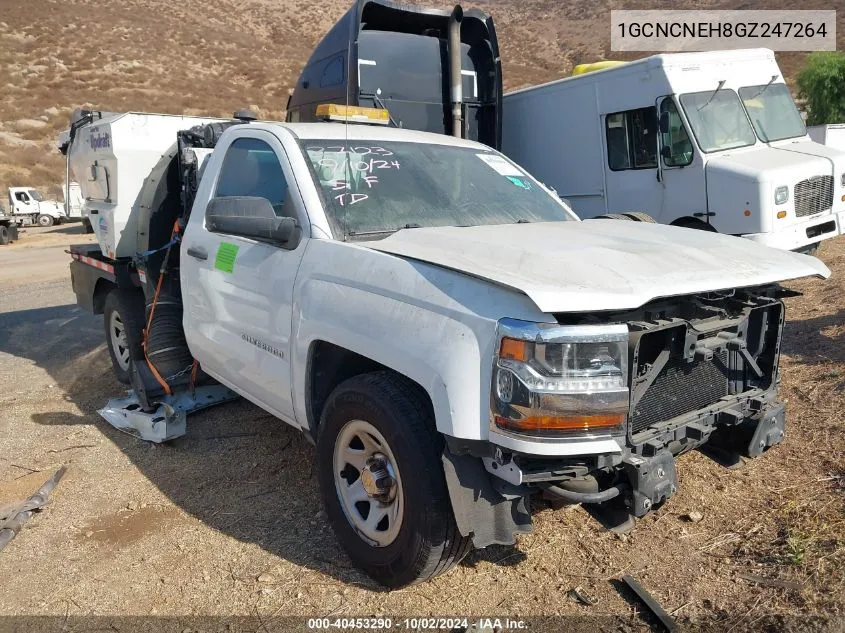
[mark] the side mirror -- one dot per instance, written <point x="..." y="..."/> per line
<point x="250" y="216"/>
<point x="663" y="123"/>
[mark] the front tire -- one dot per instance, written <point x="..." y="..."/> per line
<point x="382" y="482"/>
<point x="123" y="318"/>
<point x="45" y="220"/>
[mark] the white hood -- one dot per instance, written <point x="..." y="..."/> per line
<point x="783" y="164"/>
<point x="600" y="265"/>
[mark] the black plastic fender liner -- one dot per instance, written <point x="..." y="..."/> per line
<point x="480" y="510"/>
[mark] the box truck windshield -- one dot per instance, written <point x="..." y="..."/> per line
<point x="384" y="187"/>
<point x="717" y="120"/>
<point x="772" y="111"/>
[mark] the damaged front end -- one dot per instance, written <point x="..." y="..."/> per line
<point x="698" y="372"/>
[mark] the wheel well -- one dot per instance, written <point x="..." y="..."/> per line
<point x="328" y="366"/>
<point x="101" y="290"/>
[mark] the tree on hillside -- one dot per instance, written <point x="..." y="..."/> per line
<point x="822" y="83"/>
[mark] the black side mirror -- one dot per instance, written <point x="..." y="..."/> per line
<point x="250" y="216"/>
<point x="663" y="123"/>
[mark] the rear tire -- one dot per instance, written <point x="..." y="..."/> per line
<point x="810" y="249"/>
<point x="613" y="216"/>
<point x="5" y="237"/>
<point x="123" y="318"/>
<point x="395" y="421"/>
<point x="45" y="220"/>
<point x="639" y="216"/>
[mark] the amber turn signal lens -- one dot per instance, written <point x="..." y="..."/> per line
<point x="563" y="423"/>
<point x="514" y="349"/>
<point x="748" y="213"/>
<point x="781" y="215"/>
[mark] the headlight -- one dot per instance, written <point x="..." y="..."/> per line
<point x="560" y="380"/>
<point x="781" y="194"/>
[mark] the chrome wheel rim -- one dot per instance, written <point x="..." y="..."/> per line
<point x="45" y="220"/>
<point x="368" y="483"/>
<point x="119" y="341"/>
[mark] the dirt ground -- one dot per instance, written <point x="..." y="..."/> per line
<point x="227" y="520"/>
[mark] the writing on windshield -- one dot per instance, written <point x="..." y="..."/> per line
<point x="380" y="187"/>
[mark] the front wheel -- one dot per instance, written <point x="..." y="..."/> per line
<point x="382" y="482"/>
<point x="45" y="220"/>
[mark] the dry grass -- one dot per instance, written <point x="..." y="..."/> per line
<point x="196" y="57"/>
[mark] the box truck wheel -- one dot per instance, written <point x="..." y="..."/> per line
<point x="5" y="237"/>
<point x="382" y="483"/>
<point x="123" y="317"/>
<point x="45" y="220"/>
<point x="639" y="216"/>
<point x="613" y="216"/>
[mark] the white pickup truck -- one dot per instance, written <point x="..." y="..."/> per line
<point x="28" y="207"/>
<point x="446" y="331"/>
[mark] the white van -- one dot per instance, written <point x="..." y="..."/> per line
<point x="830" y="135"/>
<point x="708" y="140"/>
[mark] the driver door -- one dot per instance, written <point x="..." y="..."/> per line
<point x="238" y="291"/>
<point x="681" y="168"/>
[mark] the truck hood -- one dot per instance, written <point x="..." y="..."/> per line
<point x="811" y="148"/>
<point x="784" y="164"/>
<point x="598" y="265"/>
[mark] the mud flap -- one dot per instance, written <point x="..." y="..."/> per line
<point x="491" y="516"/>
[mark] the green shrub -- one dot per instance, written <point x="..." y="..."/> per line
<point x="822" y="83"/>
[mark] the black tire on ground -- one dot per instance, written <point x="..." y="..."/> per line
<point x="5" y="237"/>
<point x="44" y="220"/>
<point x="694" y="223"/>
<point x="428" y="542"/>
<point x="127" y="307"/>
<point x="87" y="224"/>
<point x="613" y="216"/>
<point x="639" y="216"/>
<point x="810" y="249"/>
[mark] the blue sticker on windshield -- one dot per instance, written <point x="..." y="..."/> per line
<point x="519" y="182"/>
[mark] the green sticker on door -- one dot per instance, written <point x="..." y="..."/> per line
<point x="225" y="258"/>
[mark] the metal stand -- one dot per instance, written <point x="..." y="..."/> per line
<point x="168" y="421"/>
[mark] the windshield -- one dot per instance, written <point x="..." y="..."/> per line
<point x="717" y="120"/>
<point x="373" y="188"/>
<point x="35" y="195"/>
<point x="772" y="111"/>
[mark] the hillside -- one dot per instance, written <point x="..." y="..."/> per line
<point x="199" y="57"/>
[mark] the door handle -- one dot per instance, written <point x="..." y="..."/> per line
<point x="198" y="252"/>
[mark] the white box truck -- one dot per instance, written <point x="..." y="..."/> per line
<point x="830" y="135"/>
<point x="451" y="337"/>
<point x="708" y="140"/>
